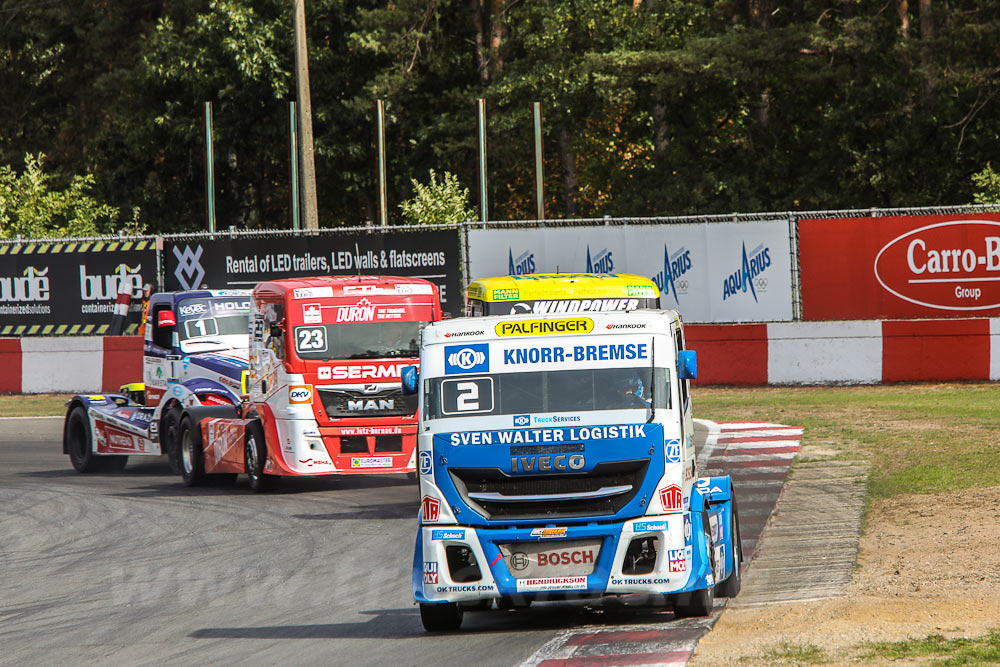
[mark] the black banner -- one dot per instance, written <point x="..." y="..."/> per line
<point x="244" y="262"/>
<point x="71" y="288"/>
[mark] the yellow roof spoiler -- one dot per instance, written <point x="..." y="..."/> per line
<point x="552" y="286"/>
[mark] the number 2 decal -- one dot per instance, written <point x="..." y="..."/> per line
<point x="468" y="396"/>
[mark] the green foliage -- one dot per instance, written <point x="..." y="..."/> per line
<point x="437" y="202"/>
<point x="987" y="184"/>
<point x="787" y="653"/>
<point x="983" y="650"/>
<point x="31" y="209"/>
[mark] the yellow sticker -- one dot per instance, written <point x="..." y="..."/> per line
<point x="565" y="325"/>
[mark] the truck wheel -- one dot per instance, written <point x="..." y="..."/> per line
<point x="79" y="442"/>
<point x="170" y="438"/>
<point x="444" y="617"/>
<point x="730" y="588"/>
<point x="191" y="454"/>
<point x="255" y="454"/>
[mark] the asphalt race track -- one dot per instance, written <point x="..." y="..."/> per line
<point x="135" y="568"/>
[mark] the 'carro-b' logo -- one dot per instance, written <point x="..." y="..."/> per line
<point x="473" y="358"/>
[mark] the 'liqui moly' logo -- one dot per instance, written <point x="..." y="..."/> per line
<point x="522" y="264"/>
<point x="748" y="277"/>
<point x="669" y="280"/>
<point x="949" y="265"/>
<point x="601" y="261"/>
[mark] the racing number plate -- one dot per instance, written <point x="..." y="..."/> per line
<point x="565" y="558"/>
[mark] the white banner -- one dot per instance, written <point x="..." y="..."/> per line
<point x="710" y="272"/>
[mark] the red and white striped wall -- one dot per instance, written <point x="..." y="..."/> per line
<point x="852" y="352"/>
<point x="69" y="364"/>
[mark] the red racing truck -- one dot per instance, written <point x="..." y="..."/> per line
<point x="324" y="384"/>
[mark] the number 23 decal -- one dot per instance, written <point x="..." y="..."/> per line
<point x="310" y="339"/>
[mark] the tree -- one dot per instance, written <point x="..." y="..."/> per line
<point x="438" y="202"/>
<point x="31" y="209"/>
<point x="987" y="183"/>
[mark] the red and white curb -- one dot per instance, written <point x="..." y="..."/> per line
<point x="757" y="455"/>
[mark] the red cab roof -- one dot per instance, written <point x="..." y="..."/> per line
<point x="320" y="286"/>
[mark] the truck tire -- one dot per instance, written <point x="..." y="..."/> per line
<point x="730" y="588"/>
<point x="255" y="454"/>
<point x="170" y="438"/>
<point x="79" y="443"/>
<point x="192" y="456"/>
<point x="443" y="617"/>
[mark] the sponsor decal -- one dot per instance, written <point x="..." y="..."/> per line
<point x="472" y="358"/>
<point x="371" y="404"/>
<point x="649" y="526"/>
<point x="674" y="266"/>
<point x="574" y="306"/>
<point x="569" y="557"/>
<point x="430" y="509"/>
<point x="32" y="285"/>
<point x="371" y="430"/>
<point x="312" y="292"/>
<point x="548" y="463"/>
<point x="552" y="584"/>
<point x="563" y="326"/>
<point x="190" y="309"/>
<point x="464" y="334"/>
<point x="670" y="497"/>
<point x="312" y="313"/>
<point x="522" y="420"/>
<point x="625" y="326"/>
<point x="576" y="353"/>
<point x="641" y="291"/>
<point x="371" y="462"/>
<point x="543" y="435"/>
<point x="519" y="561"/>
<point x="299" y="394"/>
<point x="601" y="262"/>
<point x="430" y="572"/>
<point x="363" y="289"/>
<point x="506" y="294"/>
<point x="426" y="463"/>
<point x="673" y="451"/>
<point x="448" y="535"/>
<point x="189" y="272"/>
<point x="687" y="529"/>
<point x="949" y="265"/>
<point x="556" y="419"/>
<point x="677" y="560"/>
<point x="744" y="279"/>
<point x="546" y="533"/>
<point x="413" y="288"/>
<point x="360" y="372"/>
<point x="519" y="266"/>
<point x="324" y="373"/>
<point x="309" y="463"/>
<point x="362" y="311"/>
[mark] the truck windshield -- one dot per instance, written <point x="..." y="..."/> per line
<point x="547" y="391"/>
<point x="374" y="340"/>
<point x="205" y="319"/>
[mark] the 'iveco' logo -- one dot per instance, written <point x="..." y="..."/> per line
<point x="547" y="463"/>
<point x="189" y="272"/>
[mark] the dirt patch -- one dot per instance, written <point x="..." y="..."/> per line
<point x="926" y="565"/>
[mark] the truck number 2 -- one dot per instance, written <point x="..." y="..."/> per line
<point x="468" y="396"/>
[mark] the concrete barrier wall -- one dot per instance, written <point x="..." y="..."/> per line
<point x="69" y="364"/>
<point x="850" y="352"/>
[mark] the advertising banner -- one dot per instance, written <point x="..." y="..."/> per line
<point x="243" y="262"/>
<point x="709" y="272"/>
<point x="899" y="267"/>
<point x="71" y="288"/>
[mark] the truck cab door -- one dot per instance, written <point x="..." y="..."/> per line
<point x="267" y="346"/>
<point x="158" y="348"/>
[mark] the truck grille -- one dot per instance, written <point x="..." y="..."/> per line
<point x="387" y="403"/>
<point x="601" y="492"/>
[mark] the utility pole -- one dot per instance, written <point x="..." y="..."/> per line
<point x="308" y="171"/>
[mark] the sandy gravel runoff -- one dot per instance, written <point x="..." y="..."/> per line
<point x="927" y="565"/>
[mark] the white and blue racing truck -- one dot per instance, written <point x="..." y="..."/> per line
<point x="194" y="354"/>
<point x="556" y="461"/>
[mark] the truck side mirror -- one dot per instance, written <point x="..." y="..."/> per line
<point x="276" y="331"/>
<point x="687" y="365"/>
<point x="166" y="318"/>
<point x="409" y="377"/>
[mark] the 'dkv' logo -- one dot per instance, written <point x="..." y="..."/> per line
<point x="525" y="263"/>
<point x="741" y="280"/>
<point x="673" y="268"/>
<point x="601" y="263"/>
<point x="189" y="272"/>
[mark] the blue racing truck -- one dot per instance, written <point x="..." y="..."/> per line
<point x="556" y="462"/>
